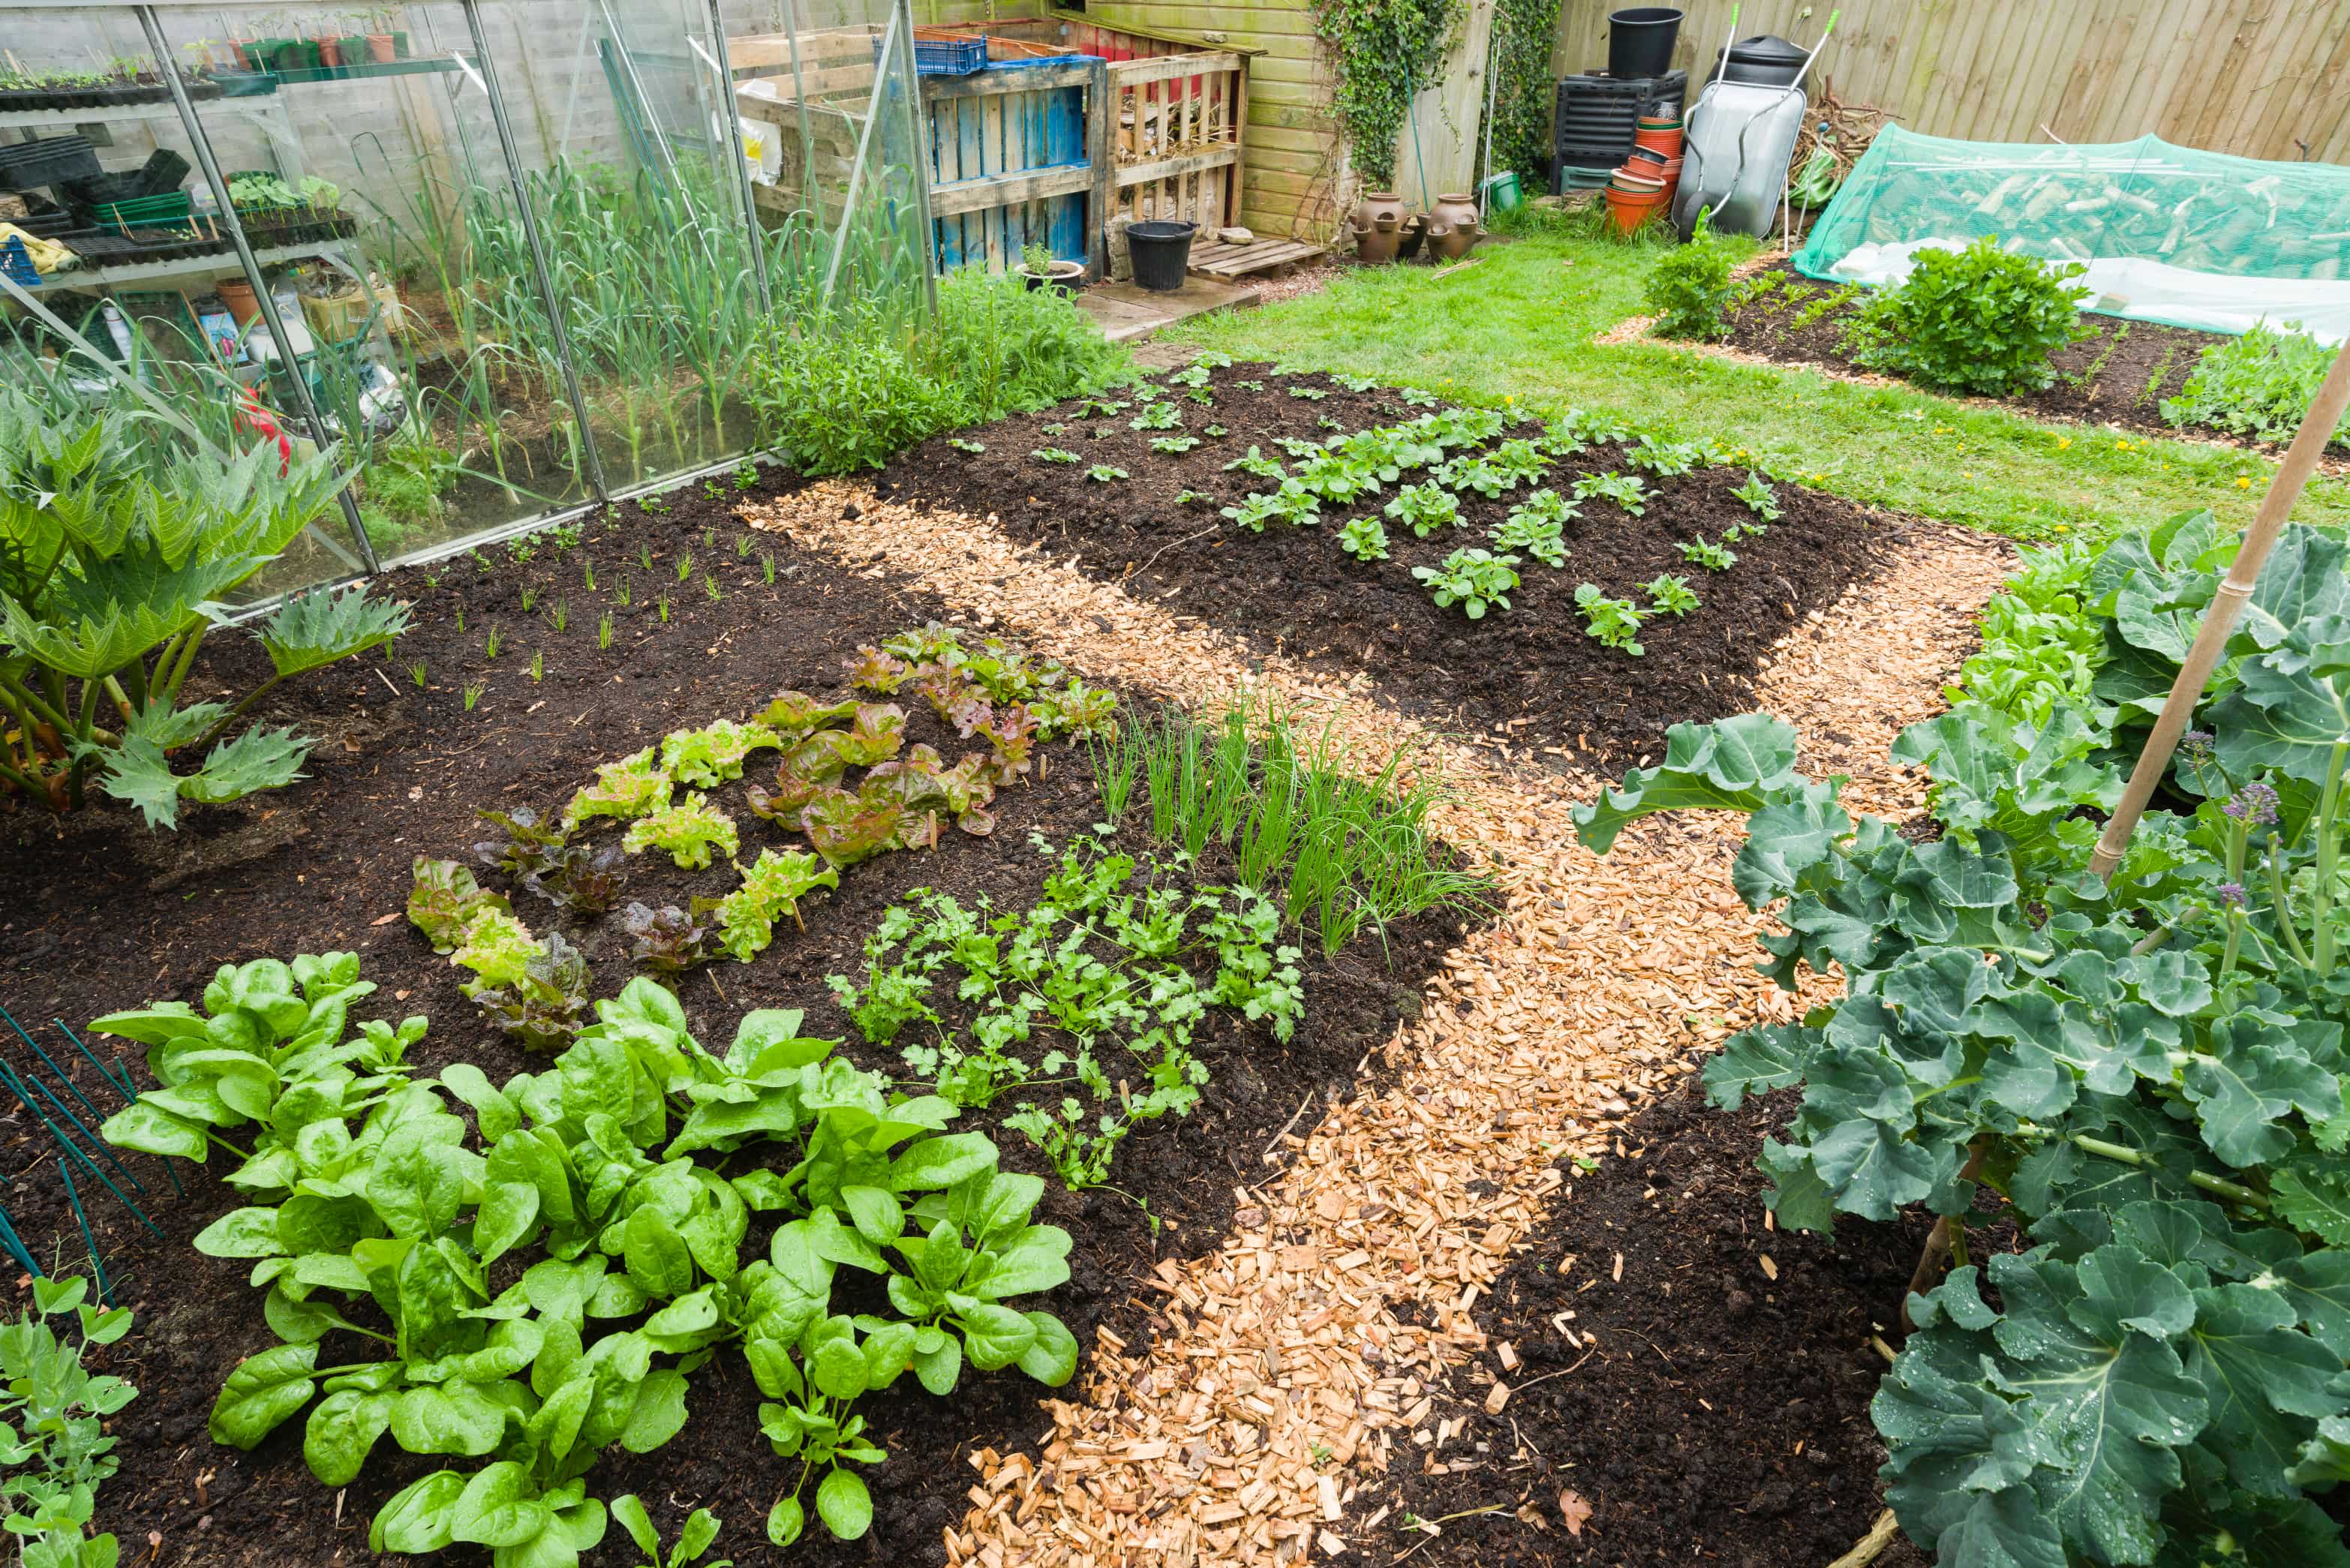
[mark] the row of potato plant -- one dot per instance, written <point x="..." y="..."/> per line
<point x="2146" y="1072"/>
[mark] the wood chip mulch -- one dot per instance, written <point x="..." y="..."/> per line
<point x="1299" y="1357"/>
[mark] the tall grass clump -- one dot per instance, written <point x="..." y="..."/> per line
<point x="1338" y="853"/>
<point x="851" y="384"/>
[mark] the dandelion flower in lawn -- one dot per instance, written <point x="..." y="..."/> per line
<point x="2063" y="442"/>
<point x="2243" y="482"/>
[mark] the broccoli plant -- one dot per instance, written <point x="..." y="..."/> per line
<point x="1624" y="489"/>
<point x="1426" y="508"/>
<point x="1612" y="623"/>
<point x="1669" y="595"/>
<point x="1473" y="579"/>
<point x="1364" y="538"/>
<point x="1705" y="552"/>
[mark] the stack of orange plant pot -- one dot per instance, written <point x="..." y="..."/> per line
<point x="1644" y="184"/>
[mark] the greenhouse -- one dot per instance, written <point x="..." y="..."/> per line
<point x="514" y="271"/>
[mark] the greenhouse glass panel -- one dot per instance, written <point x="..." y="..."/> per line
<point x="126" y="306"/>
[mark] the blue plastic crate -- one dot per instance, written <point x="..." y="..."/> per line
<point x="942" y="55"/>
<point x="18" y="263"/>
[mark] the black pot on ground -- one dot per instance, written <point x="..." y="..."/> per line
<point x="1161" y="253"/>
<point x="1063" y="279"/>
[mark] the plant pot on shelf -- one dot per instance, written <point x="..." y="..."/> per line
<point x="1061" y="276"/>
<point x="400" y="44"/>
<point x="330" y="53"/>
<point x="379" y="48"/>
<point x="237" y="295"/>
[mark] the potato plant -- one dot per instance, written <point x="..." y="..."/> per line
<point x="1425" y="508"/>
<point x="1612" y="623"/>
<point x="1476" y="581"/>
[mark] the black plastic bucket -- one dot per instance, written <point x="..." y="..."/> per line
<point x="1640" y="40"/>
<point x="1161" y="253"/>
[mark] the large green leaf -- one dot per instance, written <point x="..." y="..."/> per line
<point x="1736" y="765"/>
<point x="312" y="630"/>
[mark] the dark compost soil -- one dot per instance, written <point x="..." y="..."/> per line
<point x="2118" y="375"/>
<point x="1705" y="1411"/>
<point x="1531" y="672"/>
<point x="105" y="915"/>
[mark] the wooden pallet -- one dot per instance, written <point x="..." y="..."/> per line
<point x="1217" y="259"/>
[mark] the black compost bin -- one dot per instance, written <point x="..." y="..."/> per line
<point x="1765" y="59"/>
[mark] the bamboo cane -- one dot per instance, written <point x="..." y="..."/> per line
<point x="2317" y="428"/>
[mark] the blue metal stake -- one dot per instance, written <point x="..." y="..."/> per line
<point x="105" y="1294"/>
<point x="120" y="1079"/>
<point x="96" y="1142"/>
<point x="94" y="1113"/>
<point x="16" y="1246"/>
<point x="117" y="1074"/>
<point x="9" y="1079"/>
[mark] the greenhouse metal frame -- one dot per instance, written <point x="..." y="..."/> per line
<point x="547" y="309"/>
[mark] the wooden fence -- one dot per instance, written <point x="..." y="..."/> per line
<point x="2259" y="78"/>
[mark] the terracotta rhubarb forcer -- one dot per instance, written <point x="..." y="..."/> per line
<point x="1453" y="229"/>
<point x="1378" y="222"/>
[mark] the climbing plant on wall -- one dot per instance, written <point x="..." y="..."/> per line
<point x="1382" y="49"/>
<point x="1522" y="31"/>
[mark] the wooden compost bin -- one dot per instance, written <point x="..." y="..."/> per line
<point x="1024" y="152"/>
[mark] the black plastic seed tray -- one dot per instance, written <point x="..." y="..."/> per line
<point x="47" y="161"/>
<point x="114" y="95"/>
<point x="108" y="248"/>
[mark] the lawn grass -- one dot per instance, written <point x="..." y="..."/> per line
<point x="1515" y="331"/>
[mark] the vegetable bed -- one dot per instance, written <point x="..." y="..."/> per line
<point x="2120" y="374"/>
<point x="1155" y="520"/>
<point x="1687" y="1385"/>
<point x="713" y="621"/>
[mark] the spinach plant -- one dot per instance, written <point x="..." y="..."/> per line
<point x="372" y="1202"/>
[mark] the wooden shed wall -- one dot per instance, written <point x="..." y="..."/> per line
<point x="1292" y="156"/>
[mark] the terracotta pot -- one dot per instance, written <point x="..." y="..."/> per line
<point x="1377" y="223"/>
<point x="1451" y="241"/>
<point x="379" y="47"/>
<point x="331" y="52"/>
<point x="1414" y="232"/>
<point x="237" y="295"/>
<point x="1630" y="210"/>
<point x="1457" y="213"/>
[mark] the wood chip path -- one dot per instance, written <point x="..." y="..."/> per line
<point x="1287" y="1371"/>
